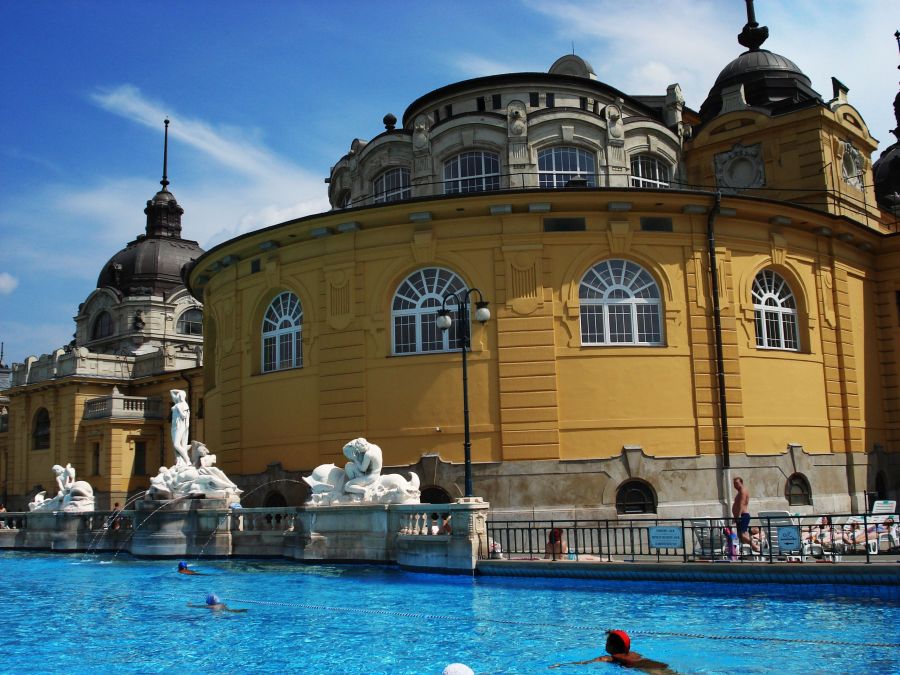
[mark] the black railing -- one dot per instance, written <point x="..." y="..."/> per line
<point x="771" y="538"/>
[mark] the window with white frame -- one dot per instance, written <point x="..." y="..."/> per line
<point x="475" y="171"/>
<point x="620" y="305"/>
<point x="649" y="172"/>
<point x="190" y="322"/>
<point x="281" y="332"/>
<point x="774" y="312"/>
<point x="392" y="185"/>
<point x="414" y="311"/>
<point x="557" y="166"/>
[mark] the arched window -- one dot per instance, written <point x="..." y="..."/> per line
<point x="472" y="172"/>
<point x="620" y="305"/>
<point x="635" y="496"/>
<point x="190" y="323"/>
<point x="414" y="310"/>
<point x="797" y="491"/>
<point x="774" y="312"/>
<point x="556" y="166"/>
<point x="41" y="430"/>
<point x="434" y="494"/>
<point x="103" y="326"/>
<point x="392" y="185"/>
<point x="649" y="172"/>
<point x="281" y="332"/>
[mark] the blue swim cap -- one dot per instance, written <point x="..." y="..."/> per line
<point x="182" y="565"/>
<point x="212" y="599"/>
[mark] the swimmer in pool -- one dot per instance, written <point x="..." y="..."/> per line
<point x="213" y="604"/>
<point x="618" y="650"/>
<point x="184" y="569"/>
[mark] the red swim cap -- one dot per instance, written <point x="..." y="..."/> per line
<point x="623" y="636"/>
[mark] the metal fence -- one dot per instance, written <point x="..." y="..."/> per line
<point x="770" y="538"/>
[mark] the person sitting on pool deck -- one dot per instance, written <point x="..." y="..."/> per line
<point x="184" y="569"/>
<point x="556" y="544"/>
<point x="212" y="603"/>
<point x="618" y="650"/>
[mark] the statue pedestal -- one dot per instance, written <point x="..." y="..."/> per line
<point x="192" y="526"/>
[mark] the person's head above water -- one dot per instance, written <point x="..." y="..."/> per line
<point x="617" y="642"/>
<point x="182" y="565"/>
<point x="212" y="599"/>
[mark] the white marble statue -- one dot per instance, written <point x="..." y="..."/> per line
<point x="361" y="481"/>
<point x="73" y="496"/>
<point x="194" y="471"/>
<point x="198" y="477"/>
<point x="181" y="425"/>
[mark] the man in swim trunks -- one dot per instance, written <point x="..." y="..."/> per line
<point x="618" y="650"/>
<point x="741" y="509"/>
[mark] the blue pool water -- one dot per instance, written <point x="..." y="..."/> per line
<point x="83" y="614"/>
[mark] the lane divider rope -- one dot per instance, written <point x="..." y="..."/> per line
<point x="594" y="629"/>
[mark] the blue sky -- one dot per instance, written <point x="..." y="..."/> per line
<point x="265" y="97"/>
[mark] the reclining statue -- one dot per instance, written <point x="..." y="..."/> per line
<point x="361" y="481"/>
<point x="73" y="496"/>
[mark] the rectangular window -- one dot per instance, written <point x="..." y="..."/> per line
<point x="534" y="99"/>
<point x="551" y="100"/>
<point x="564" y="225"/>
<point x="95" y="459"/>
<point x="620" y="323"/>
<point x="656" y="224"/>
<point x="448" y="111"/>
<point x="495" y="101"/>
<point x="583" y="103"/>
<point x="404" y="334"/>
<point x="592" y="324"/>
<point x="437" y="115"/>
<point x="255" y="266"/>
<point x="480" y="102"/>
<point x="269" y="354"/>
<point x="140" y="458"/>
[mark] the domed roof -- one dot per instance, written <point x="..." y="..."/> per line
<point x="148" y="265"/>
<point x="886" y="169"/>
<point x="771" y="81"/>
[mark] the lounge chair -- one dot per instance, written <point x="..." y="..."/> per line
<point x="709" y="539"/>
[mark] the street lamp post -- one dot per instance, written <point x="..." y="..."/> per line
<point x="462" y="299"/>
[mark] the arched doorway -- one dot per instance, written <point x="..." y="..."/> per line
<point x="434" y="494"/>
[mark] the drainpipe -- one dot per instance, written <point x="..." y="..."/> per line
<point x="720" y="359"/>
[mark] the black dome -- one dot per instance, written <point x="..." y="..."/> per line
<point x="886" y="169"/>
<point x="149" y="265"/>
<point x="770" y="81"/>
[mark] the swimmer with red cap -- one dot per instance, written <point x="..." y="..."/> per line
<point x="618" y="650"/>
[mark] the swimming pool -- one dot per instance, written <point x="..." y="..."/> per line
<point x="87" y="613"/>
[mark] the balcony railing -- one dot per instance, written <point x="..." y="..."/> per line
<point x="123" y="407"/>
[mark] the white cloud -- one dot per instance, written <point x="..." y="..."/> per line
<point x="8" y="283"/>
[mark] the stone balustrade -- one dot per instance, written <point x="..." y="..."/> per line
<point x="117" y="406"/>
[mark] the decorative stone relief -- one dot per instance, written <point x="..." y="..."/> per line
<point x="339" y="296"/>
<point x="779" y="248"/>
<point x="828" y="295"/>
<point x="740" y="168"/>
<point x="852" y="165"/>
<point x="523" y="274"/>
<point x="421" y="143"/>
<point x="615" y="128"/>
<point x="619" y="235"/>
<point x="517" y="132"/>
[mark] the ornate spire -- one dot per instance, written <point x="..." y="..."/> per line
<point x="753" y="34"/>
<point x="163" y="212"/>
<point x="165" y="181"/>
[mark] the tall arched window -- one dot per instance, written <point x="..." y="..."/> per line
<point x="103" y="326"/>
<point x="41" y="431"/>
<point x="774" y="312"/>
<point x="392" y="185"/>
<point x="635" y="496"/>
<point x="414" y="310"/>
<point x="649" y="172"/>
<point x="190" y="322"/>
<point x="556" y="166"/>
<point x="281" y="332"/>
<point x="475" y="171"/>
<point x="620" y="304"/>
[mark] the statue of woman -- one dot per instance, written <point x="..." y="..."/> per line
<point x="181" y="423"/>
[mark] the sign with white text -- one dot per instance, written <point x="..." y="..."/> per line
<point x="666" y="537"/>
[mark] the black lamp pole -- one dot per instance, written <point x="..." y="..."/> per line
<point x="461" y="300"/>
